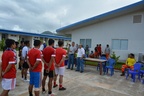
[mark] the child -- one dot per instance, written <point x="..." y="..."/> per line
<point x="8" y="68"/>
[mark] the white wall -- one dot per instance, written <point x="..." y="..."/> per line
<point x="14" y="37"/>
<point x="117" y="28"/>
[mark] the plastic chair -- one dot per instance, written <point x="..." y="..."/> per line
<point x="141" y="74"/>
<point x="135" y="71"/>
<point x="104" y="64"/>
<point x="110" y="65"/>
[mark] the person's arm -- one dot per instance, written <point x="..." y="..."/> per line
<point x="7" y="69"/>
<point x="29" y="63"/>
<point x="45" y="61"/>
<point x="62" y="60"/>
<point x="83" y="53"/>
<point x="50" y="62"/>
<point x="36" y="64"/>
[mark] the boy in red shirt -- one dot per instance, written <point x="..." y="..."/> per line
<point x="59" y="63"/>
<point x="8" y="68"/>
<point x="35" y="67"/>
<point x="47" y="58"/>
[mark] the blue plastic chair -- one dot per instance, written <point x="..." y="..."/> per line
<point x="104" y="64"/>
<point x="110" y="65"/>
<point x="141" y="73"/>
<point x="135" y="71"/>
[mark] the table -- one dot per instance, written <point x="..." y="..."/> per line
<point x="96" y="60"/>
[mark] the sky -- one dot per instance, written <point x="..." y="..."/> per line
<point x="37" y="16"/>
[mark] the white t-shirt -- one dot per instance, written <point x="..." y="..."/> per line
<point x="25" y="51"/>
<point x="81" y="52"/>
<point x="41" y="47"/>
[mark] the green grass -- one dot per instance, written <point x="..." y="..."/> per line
<point x="117" y="66"/>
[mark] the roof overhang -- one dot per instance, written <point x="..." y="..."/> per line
<point x="106" y="16"/>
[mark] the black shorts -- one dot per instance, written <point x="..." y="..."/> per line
<point x="25" y="65"/>
<point x="51" y="74"/>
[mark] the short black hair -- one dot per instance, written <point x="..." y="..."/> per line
<point x="60" y="43"/>
<point x="51" y="41"/>
<point x="37" y="42"/>
<point x="26" y="42"/>
<point x="22" y="42"/>
<point x="9" y="42"/>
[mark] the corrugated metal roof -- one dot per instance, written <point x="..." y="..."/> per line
<point x="33" y="34"/>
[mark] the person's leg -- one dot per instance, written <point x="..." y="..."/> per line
<point x="72" y="61"/>
<point x="43" y="80"/>
<point x="37" y="83"/>
<point x="50" y="85"/>
<point x="61" y="74"/>
<point x="69" y="61"/>
<point x="43" y="83"/>
<point x="31" y="83"/>
<point x="78" y="64"/>
<point x="55" y="77"/>
<point x="81" y="65"/>
<point x="51" y="76"/>
<point x="123" y="69"/>
<point x="4" y="93"/>
<point x="25" y="73"/>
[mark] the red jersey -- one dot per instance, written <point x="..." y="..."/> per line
<point x="35" y="55"/>
<point x="8" y="57"/>
<point x="47" y="54"/>
<point x="60" y="53"/>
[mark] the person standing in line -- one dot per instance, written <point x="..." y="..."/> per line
<point x="71" y="53"/>
<point x="24" y="58"/>
<point x="49" y="67"/>
<point x="20" y="55"/>
<point x="107" y="51"/>
<point x="80" y="61"/>
<point x="35" y="67"/>
<point x="60" y="55"/>
<point x="8" y="72"/>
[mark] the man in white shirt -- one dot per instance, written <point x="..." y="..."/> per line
<point x="24" y="58"/>
<point x="80" y="61"/>
<point x="71" y="53"/>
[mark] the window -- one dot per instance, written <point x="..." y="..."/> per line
<point x="85" y="42"/>
<point x="120" y="44"/>
<point x="137" y="18"/>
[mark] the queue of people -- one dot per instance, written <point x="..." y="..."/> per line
<point x="31" y="59"/>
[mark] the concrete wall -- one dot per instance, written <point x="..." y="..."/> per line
<point x="116" y="28"/>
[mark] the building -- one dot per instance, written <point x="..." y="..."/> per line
<point x="19" y="36"/>
<point x="122" y="29"/>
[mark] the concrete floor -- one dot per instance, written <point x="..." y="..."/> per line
<point x="89" y="83"/>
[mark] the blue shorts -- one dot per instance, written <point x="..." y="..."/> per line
<point x="35" y="79"/>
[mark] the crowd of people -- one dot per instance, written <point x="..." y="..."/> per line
<point x="54" y="67"/>
<point x="31" y="59"/>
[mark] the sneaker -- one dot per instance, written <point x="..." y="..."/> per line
<point x="43" y="91"/>
<point x="26" y="80"/>
<point x="61" y="89"/>
<point x="81" y="71"/>
<point x="52" y="94"/>
<point x="55" y="86"/>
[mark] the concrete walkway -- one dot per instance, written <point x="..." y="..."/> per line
<point x="89" y="83"/>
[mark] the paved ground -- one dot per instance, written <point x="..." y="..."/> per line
<point x="89" y="83"/>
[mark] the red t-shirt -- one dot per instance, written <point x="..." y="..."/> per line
<point x="47" y="54"/>
<point x="35" y="55"/>
<point x="8" y="57"/>
<point x="60" y="53"/>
